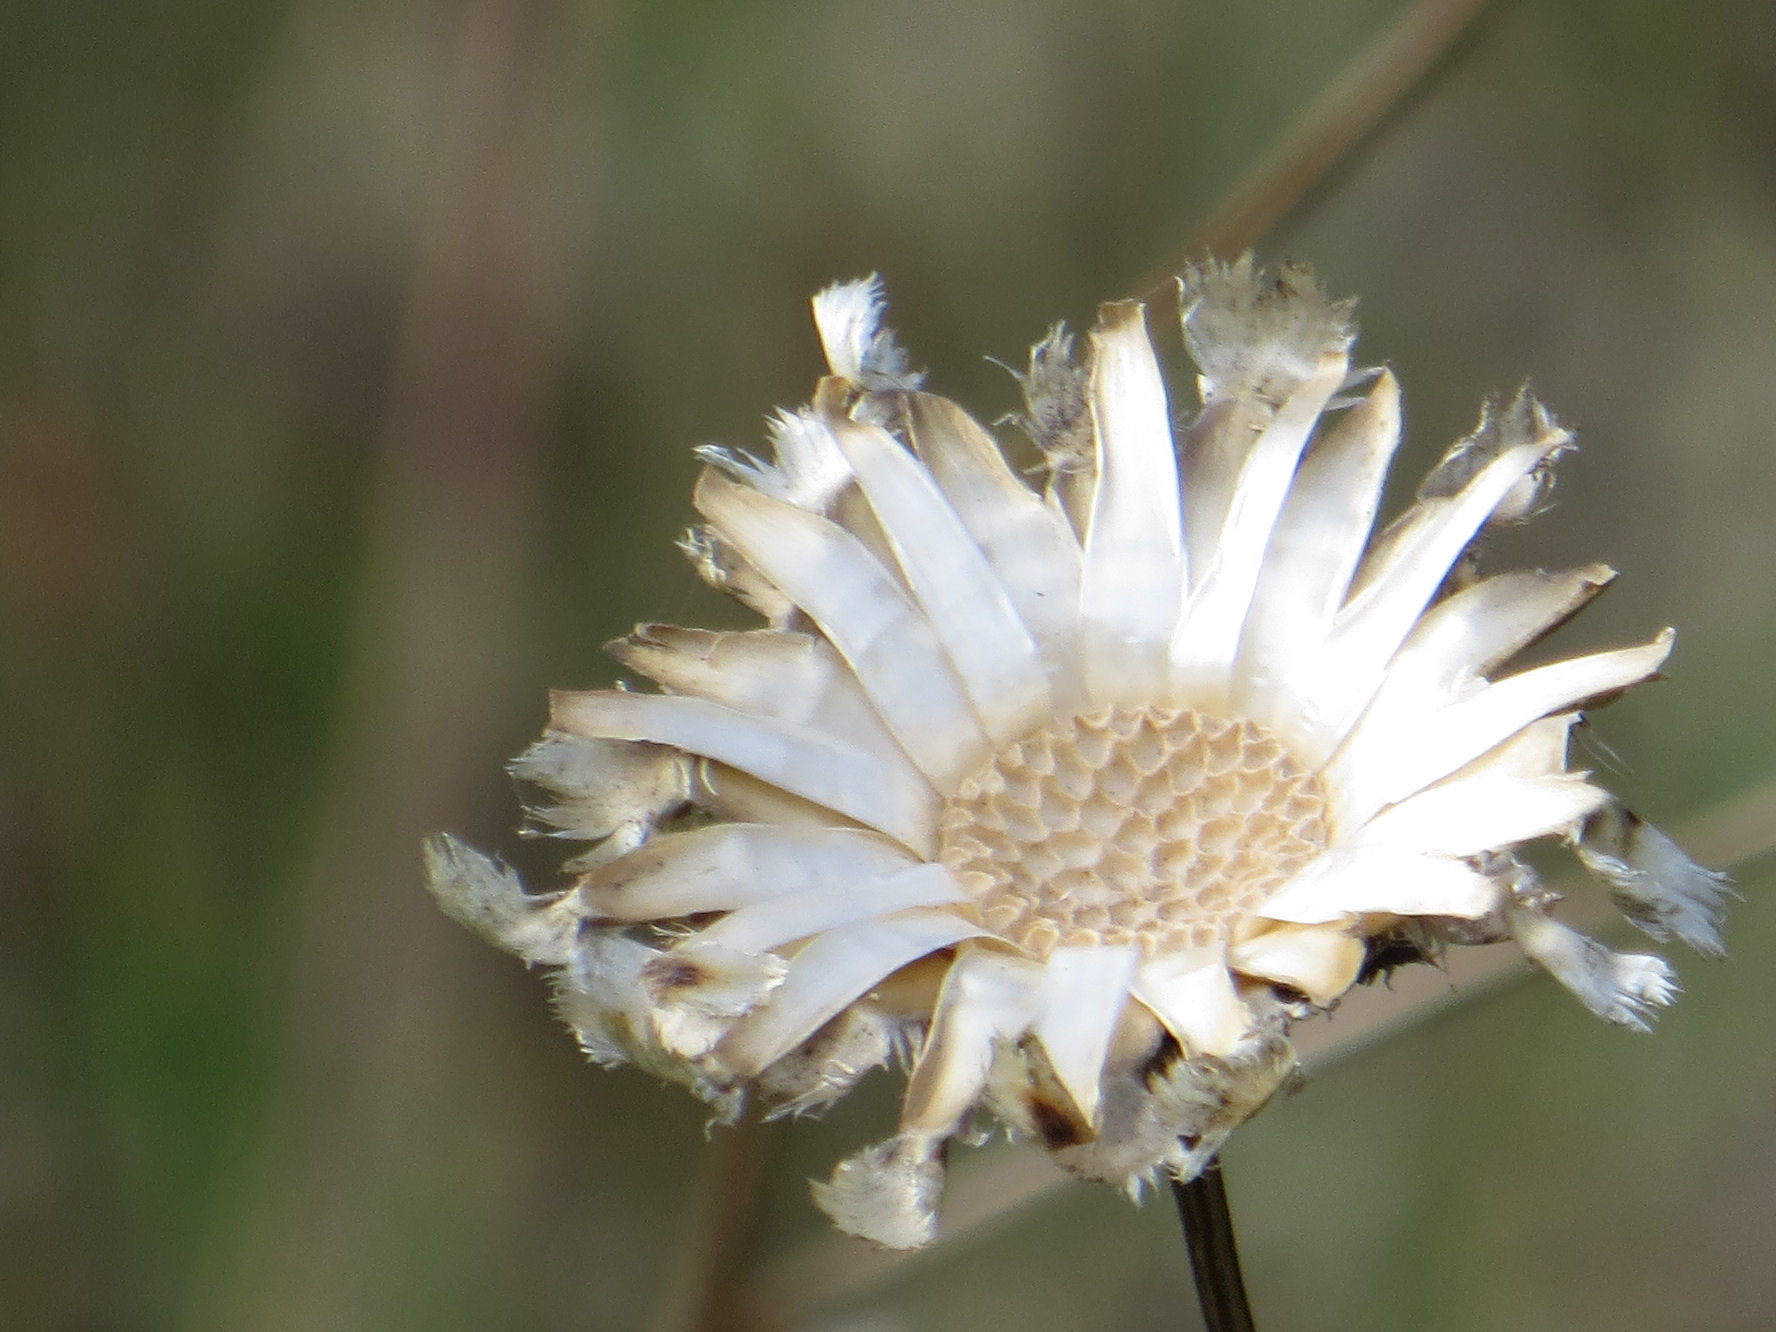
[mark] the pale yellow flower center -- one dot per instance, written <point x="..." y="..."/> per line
<point x="1151" y="826"/>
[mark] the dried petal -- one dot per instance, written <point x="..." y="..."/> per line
<point x="1088" y="792"/>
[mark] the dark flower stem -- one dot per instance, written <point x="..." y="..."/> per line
<point x="1214" y="1257"/>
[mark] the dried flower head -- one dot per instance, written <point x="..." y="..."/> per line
<point x="1076" y="797"/>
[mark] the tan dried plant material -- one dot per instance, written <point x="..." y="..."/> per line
<point x="1074" y="792"/>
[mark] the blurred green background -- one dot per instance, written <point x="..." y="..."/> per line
<point x="351" y="354"/>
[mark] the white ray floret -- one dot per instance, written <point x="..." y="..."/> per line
<point x="1469" y="816"/>
<point x="859" y="605"/>
<point x="1259" y="341"/>
<point x="806" y="467"/>
<point x="1371" y="627"/>
<point x="727" y="866"/>
<point x="1391" y="755"/>
<point x="1318" y="543"/>
<point x="828" y="973"/>
<point x="803" y="761"/>
<point x="1079" y="1004"/>
<point x="859" y="347"/>
<point x="770" y="924"/>
<point x="1652" y="881"/>
<point x="794" y="677"/>
<point x="988" y="998"/>
<point x="1133" y="575"/>
<point x="1073" y="795"/>
<point x="1208" y="633"/>
<point x="1623" y="988"/>
<point x="965" y="604"/>
<point x="1320" y="963"/>
<point x="1383" y="880"/>
<point x="1191" y="992"/>
<point x="1030" y="546"/>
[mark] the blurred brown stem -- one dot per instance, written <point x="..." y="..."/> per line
<point x="1342" y="119"/>
<point x="711" y="1249"/>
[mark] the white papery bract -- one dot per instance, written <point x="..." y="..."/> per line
<point x="1074" y="796"/>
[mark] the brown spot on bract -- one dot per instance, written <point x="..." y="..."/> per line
<point x="676" y="975"/>
<point x="1056" y="1124"/>
<point x="1159" y="1063"/>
